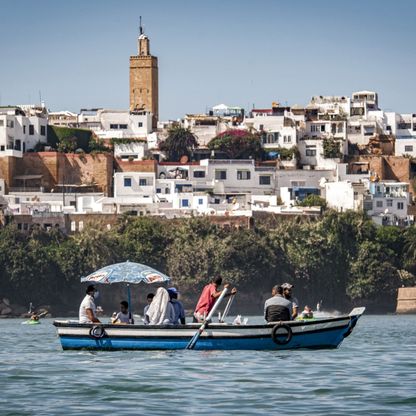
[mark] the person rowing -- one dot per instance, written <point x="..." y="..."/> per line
<point x="210" y="293"/>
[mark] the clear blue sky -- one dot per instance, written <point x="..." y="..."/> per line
<point x="235" y="52"/>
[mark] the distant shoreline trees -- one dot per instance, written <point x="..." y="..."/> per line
<point x="341" y="258"/>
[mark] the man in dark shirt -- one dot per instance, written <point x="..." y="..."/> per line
<point x="277" y="308"/>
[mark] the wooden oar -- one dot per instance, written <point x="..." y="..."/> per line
<point x="227" y="308"/>
<point x="194" y="339"/>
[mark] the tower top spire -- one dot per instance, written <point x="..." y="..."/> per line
<point x="141" y="27"/>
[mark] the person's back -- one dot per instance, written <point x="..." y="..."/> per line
<point x="277" y="308"/>
<point x="179" y="311"/>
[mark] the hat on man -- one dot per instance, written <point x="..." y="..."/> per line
<point x="287" y="286"/>
<point x="173" y="290"/>
<point x="91" y="288"/>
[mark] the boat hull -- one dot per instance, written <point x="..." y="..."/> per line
<point x="323" y="333"/>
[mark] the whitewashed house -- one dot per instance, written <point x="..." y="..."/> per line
<point x="387" y="202"/>
<point x="20" y="132"/>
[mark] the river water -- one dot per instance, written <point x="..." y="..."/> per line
<point x="372" y="373"/>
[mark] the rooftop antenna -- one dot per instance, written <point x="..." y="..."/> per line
<point x="141" y="27"/>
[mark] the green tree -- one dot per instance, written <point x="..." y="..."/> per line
<point x="331" y="148"/>
<point x="238" y="144"/>
<point x="313" y="200"/>
<point x="180" y="142"/>
<point x="144" y="240"/>
<point x="373" y="277"/>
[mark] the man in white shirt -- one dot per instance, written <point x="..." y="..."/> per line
<point x="87" y="309"/>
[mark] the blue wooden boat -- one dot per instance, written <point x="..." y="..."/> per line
<point x="314" y="334"/>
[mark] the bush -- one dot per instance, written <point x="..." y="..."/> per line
<point x="238" y="144"/>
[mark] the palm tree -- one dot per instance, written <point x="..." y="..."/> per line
<point x="180" y="142"/>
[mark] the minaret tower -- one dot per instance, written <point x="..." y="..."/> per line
<point x="144" y="82"/>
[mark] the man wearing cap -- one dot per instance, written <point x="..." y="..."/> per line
<point x="87" y="309"/>
<point x="177" y="306"/>
<point x="287" y="293"/>
<point x="277" y="308"/>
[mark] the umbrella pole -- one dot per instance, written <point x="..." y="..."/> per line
<point x="129" y="300"/>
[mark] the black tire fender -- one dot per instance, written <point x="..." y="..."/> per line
<point x="97" y="331"/>
<point x="277" y="338"/>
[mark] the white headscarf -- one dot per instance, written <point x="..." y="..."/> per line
<point x="160" y="310"/>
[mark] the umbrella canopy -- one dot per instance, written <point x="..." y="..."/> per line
<point x="127" y="272"/>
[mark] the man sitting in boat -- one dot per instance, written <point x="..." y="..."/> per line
<point x="208" y="297"/>
<point x="287" y="293"/>
<point x="177" y="306"/>
<point x="277" y="308"/>
<point x="124" y="316"/>
<point x="87" y="309"/>
<point x="161" y="311"/>
<point x="149" y="300"/>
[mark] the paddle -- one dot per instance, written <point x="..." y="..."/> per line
<point x="227" y="308"/>
<point x="194" y="339"/>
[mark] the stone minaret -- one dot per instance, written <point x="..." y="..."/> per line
<point x="144" y="82"/>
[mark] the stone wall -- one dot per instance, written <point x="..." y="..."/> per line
<point x="135" y="166"/>
<point x="7" y="168"/>
<point x="61" y="168"/>
<point x="387" y="167"/>
<point x="406" y="300"/>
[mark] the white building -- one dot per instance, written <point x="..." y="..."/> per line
<point x="387" y="202"/>
<point x="134" y="150"/>
<point x="403" y="127"/>
<point x="345" y="195"/>
<point x="116" y="124"/>
<point x="20" y="132"/>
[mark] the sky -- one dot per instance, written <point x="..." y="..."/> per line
<point x="75" y="54"/>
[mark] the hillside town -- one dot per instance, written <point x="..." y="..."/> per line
<point x="61" y="169"/>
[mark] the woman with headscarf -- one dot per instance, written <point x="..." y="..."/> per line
<point x="161" y="311"/>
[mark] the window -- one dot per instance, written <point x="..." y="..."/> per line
<point x="1" y="123"/>
<point x="42" y="130"/>
<point x="10" y="123"/>
<point x="200" y="201"/>
<point x="314" y="128"/>
<point x="261" y="126"/>
<point x="158" y="190"/>
<point x="264" y="179"/>
<point x="140" y="124"/>
<point x="297" y="183"/>
<point x="243" y="175"/>
<point x="122" y="126"/>
<point x="142" y="181"/>
<point x="199" y="174"/>
<point x="389" y="202"/>
<point x="113" y="126"/>
<point x="220" y="174"/>
<point x="185" y="202"/>
<point x="408" y="148"/>
<point x="31" y="129"/>
<point x="24" y="129"/>
<point x="400" y="205"/>
<point x="379" y="204"/>
<point x="127" y="182"/>
<point x="310" y="151"/>
<point x="322" y="127"/>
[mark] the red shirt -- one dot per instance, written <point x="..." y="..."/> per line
<point x="206" y="300"/>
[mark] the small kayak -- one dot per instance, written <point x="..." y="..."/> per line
<point x="30" y="322"/>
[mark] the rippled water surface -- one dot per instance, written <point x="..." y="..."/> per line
<point x="372" y="373"/>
